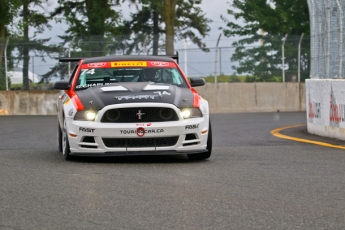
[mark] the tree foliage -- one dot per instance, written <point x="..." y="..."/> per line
<point x="89" y="21"/>
<point x="264" y="24"/>
<point x="170" y="19"/>
<point x="32" y="18"/>
<point x="8" y="11"/>
<point x="94" y="29"/>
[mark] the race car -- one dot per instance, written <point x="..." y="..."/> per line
<point x="131" y="105"/>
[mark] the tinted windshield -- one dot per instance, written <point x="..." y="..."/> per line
<point x="90" y="77"/>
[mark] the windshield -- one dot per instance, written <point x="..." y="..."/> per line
<point x="91" y="77"/>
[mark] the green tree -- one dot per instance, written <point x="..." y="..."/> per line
<point x="31" y="17"/>
<point x="95" y="28"/>
<point x="92" y="24"/>
<point x="182" y="19"/>
<point x="264" y="24"/>
<point x="8" y="11"/>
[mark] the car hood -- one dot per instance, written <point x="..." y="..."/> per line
<point x="135" y="92"/>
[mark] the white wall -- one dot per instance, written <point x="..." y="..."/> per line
<point x="325" y="110"/>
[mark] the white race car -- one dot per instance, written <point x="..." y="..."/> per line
<point x="132" y="105"/>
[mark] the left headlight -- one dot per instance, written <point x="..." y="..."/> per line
<point x="190" y="112"/>
<point x="86" y="115"/>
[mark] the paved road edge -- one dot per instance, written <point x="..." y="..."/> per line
<point x="276" y="133"/>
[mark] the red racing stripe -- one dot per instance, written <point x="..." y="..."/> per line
<point x="75" y="99"/>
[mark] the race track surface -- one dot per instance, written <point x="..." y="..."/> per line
<point x="253" y="180"/>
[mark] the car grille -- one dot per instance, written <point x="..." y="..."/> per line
<point x="140" y="142"/>
<point x="146" y="114"/>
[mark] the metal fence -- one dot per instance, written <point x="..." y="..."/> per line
<point x="327" y="34"/>
<point x="193" y="60"/>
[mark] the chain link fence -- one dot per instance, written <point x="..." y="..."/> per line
<point x="327" y="34"/>
<point x="218" y="61"/>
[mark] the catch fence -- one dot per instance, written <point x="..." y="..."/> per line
<point x="327" y="39"/>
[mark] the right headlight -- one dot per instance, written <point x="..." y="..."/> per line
<point x="187" y="113"/>
<point x="86" y="115"/>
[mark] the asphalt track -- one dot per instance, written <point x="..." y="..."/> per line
<point x="255" y="179"/>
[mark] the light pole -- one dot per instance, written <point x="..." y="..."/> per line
<point x="5" y="54"/>
<point x="69" y="55"/>
<point x="185" y="43"/>
<point x="283" y="58"/>
<point x="216" y="62"/>
<point x="299" y="58"/>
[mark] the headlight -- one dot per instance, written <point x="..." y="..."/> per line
<point x="88" y="115"/>
<point x="190" y="113"/>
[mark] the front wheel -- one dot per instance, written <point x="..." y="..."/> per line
<point x="205" y="155"/>
<point x="59" y="138"/>
<point x="65" y="144"/>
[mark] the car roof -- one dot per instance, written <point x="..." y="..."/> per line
<point x="128" y="58"/>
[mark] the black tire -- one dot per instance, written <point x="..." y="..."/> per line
<point x="65" y="144"/>
<point x="204" y="155"/>
<point x="59" y="138"/>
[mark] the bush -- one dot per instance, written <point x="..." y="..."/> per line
<point x="2" y="81"/>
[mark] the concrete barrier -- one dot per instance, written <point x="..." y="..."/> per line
<point x="222" y="97"/>
<point x="30" y="102"/>
<point x="326" y="107"/>
<point x="254" y="97"/>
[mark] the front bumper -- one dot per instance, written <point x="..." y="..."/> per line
<point x="186" y="136"/>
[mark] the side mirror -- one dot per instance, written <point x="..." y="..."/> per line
<point x="61" y="85"/>
<point x="197" y="81"/>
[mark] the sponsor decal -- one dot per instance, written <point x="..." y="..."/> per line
<point x="336" y="112"/>
<point x="142" y="129"/>
<point x="86" y="130"/>
<point x="135" y="97"/>
<point x="314" y="109"/>
<point x="67" y="101"/>
<point x="70" y="112"/>
<point x="149" y="124"/>
<point x="64" y="97"/>
<point x="128" y="63"/>
<point x="160" y="94"/>
<point x="95" y="65"/>
<point x="158" y="63"/>
<point x="91" y="85"/>
<point x="140" y="114"/>
<point x="192" y="126"/>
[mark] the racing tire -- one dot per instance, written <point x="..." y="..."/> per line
<point x="65" y="144"/>
<point x="59" y="138"/>
<point x="204" y="155"/>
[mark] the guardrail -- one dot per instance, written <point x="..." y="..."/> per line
<point x="222" y="97"/>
